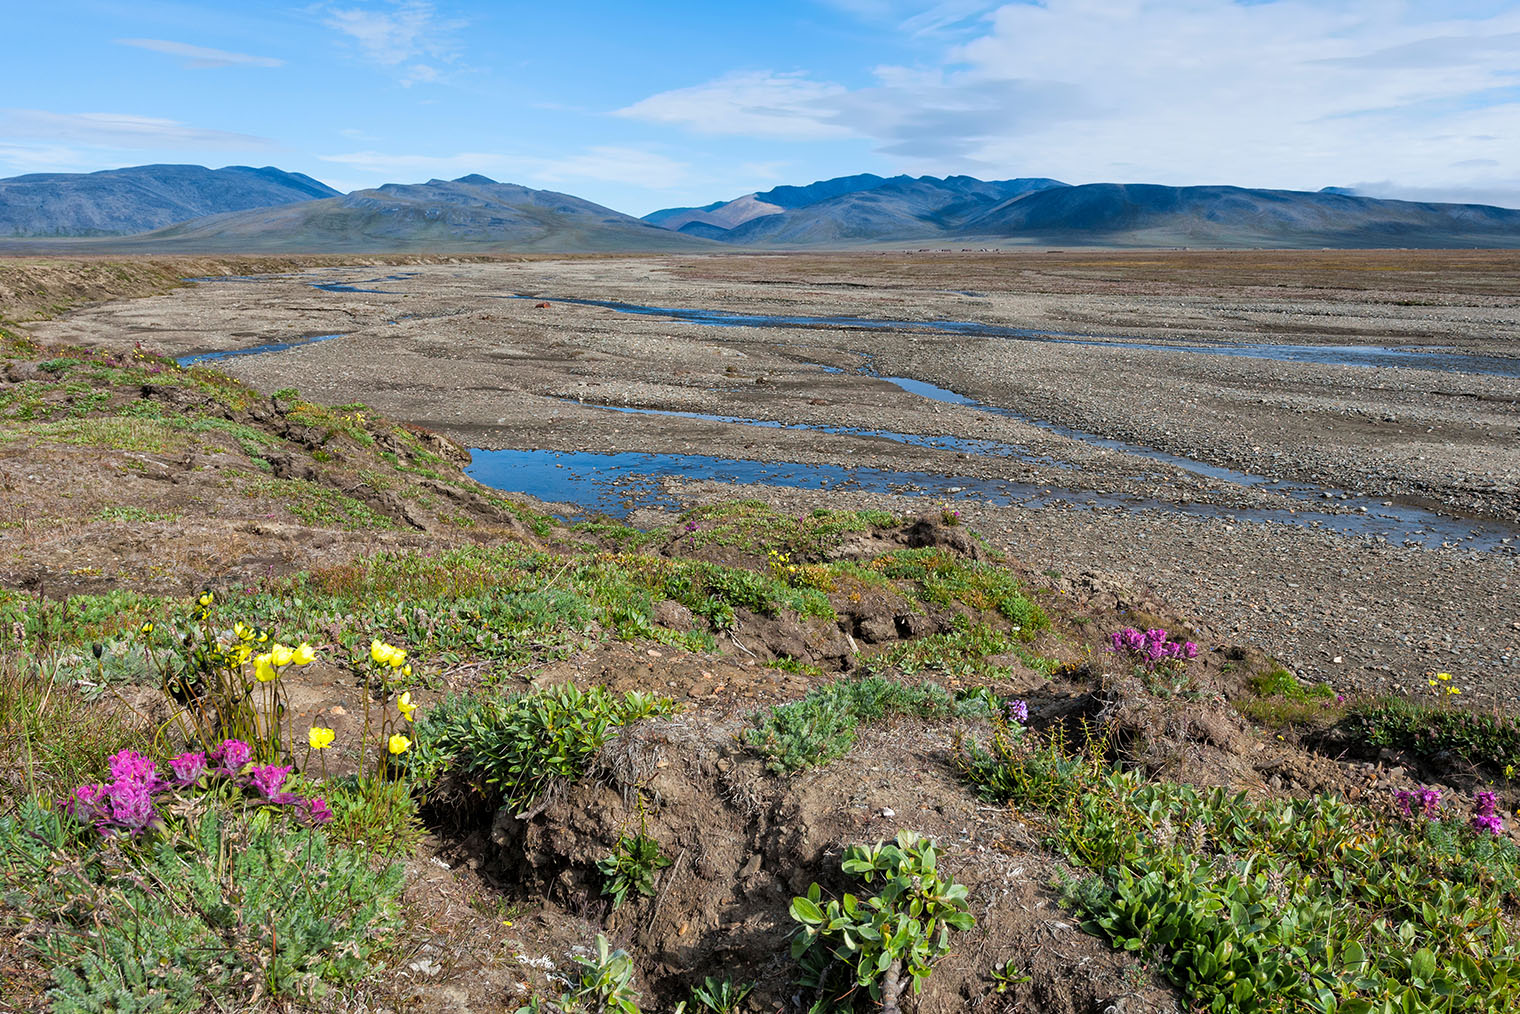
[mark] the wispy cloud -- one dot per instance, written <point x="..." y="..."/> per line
<point x="788" y="106"/>
<point x="1288" y="93"/>
<point x="605" y="163"/>
<point x="400" y="34"/>
<point x="202" y="56"/>
<point x="119" y="130"/>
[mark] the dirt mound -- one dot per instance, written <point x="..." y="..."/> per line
<point x="743" y="843"/>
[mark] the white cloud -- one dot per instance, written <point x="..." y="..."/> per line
<point x="1294" y="93"/>
<point x="605" y="163"/>
<point x="760" y="104"/>
<point x="119" y="130"/>
<point x="400" y="35"/>
<point x="201" y="56"/>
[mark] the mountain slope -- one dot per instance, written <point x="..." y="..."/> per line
<point x="119" y="202"/>
<point x="470" y="213"/>
<point x="900" y="208"/>
<point x="1150" y="215"/>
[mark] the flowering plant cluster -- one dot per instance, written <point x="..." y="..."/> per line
<point x="1151" y="648"/>
<point x="1429" y="801"/>
<point x="128" y="802"/>
<point x="1441" y="683"/>
<point x="949" y="515"/>
<point x="1487" y="816"/>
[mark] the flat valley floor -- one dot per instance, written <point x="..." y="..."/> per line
<point x="1316" y="453"/>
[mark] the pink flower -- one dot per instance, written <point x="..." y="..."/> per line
<point x="268" y="779"/>
<point x="232" y="755"/>
<point x="316" y="811"/>
<point x="187" y="767"/>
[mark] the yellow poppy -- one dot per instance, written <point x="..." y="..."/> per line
<point x="320" y="738"/>
<point x="398" y="744"/>
<point x="304" y="655"/>
<point x="280" y="655"/>
<point x="263" y="670"/>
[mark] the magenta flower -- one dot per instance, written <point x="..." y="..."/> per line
<point x="131" y="766"/>
<point x="1019" y="711"/>
<point x="268" y="779"/>
<point x="1430" y="802"/>
<point x="1151" y="648"/>
<point x="1487" y="816"/>
<point x="82" y="801"/>
<point x="187" y="767"/>
<point x="232" y="755"/>
<point x="316" y="811"/>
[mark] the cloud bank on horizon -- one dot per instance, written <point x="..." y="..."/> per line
<point x="643" y="106"/>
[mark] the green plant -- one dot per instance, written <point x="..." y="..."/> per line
<point x="939" y="576"/>
<point x="605" y="985"/>
<point x="721" y="997"/>
<point x="507" y="751"/>
<point x="1488" y="739"/>
<point x="1006" y="975"/>
<point x="875" y="942"/>
<point x="1313" y="906"/>
<point x="234" y="908"/>
<point x="821" y="726"/>
<point x="631" y="868"/>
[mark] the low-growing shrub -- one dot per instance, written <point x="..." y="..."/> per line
<point x="1490" y="740"/>
<point x="1315" y="906"/>
<point x="884" y="941"/>
<point x="821" y="726"/>
<point x="631" y="868"/>
<point x="507" y="751"/>
<point x="943" y="578"/>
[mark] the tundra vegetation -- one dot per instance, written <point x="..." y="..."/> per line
<point x="857" y="757"/>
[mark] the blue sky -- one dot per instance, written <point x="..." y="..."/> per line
<point x="646" y="105"/>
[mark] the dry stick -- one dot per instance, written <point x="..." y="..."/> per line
<point x="665" y="883"/>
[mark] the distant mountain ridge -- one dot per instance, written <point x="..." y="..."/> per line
<point x="872" y="210"/>
<point x="119" y="202"/>
<point x="471" y="213"/>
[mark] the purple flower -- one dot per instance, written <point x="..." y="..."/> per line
<point x="1430" y="802"/>
<point x="1019" y="711"/>
<point x="316" y="811"/>
<point x="82" y="801"/>
<point x="1151" y="647"/>
<point x="1404" y="798"/>
<point x="130" y="806"/>
<point x="131" y="766"/>
<point x="268" y="779"/>
<point x="232" y="755"/>
<point x="1487" y="818"/>
<point x="187" y="767"/>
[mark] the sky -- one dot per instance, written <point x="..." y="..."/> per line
<point x="640" y="106"/>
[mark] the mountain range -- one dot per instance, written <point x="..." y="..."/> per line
<point x="119" y="202"/>
<point x="191" y="208"/>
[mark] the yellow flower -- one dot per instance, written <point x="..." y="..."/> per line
<point x="206" y="598"/>
<point x="380" y="652"/>
<point x="1453" y="690"/>
<point x="398" y="744"/>
<point x="243" y="631"/>
<point x="397" y="659"/>
<point x="1509" y="772"/>
<point x="1431" y="682"/>
<point x="280" y="655"/>
<point x="1443" y="676"/>
<point x="304" y="655"/>
<point x="319" y="738"/>
<point x="405" y="706"/>
<point x="406" y="670"/>
<point x="263" y="671"/>
<point x="147" y="628"/>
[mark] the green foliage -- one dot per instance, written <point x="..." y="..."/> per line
<point x="236" y="908"/>
<point x="509" y="750"/>
<point x="961" y="654"/>
<point x="605" y="986"/>
<point x="1491" y="740"/>
<point x="1303" y="907"/>
<point x="631" y="868"/>
<point x="50" y="738"/>
<point x="821" y="726"/>
<point x="1279" y="682"/>
<point x="943" y="578"/>
<point x="721" y="996"/>
<point x="379" y="814"/>
<point x="872" y="941"/>
<point x="754" y="527"/>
